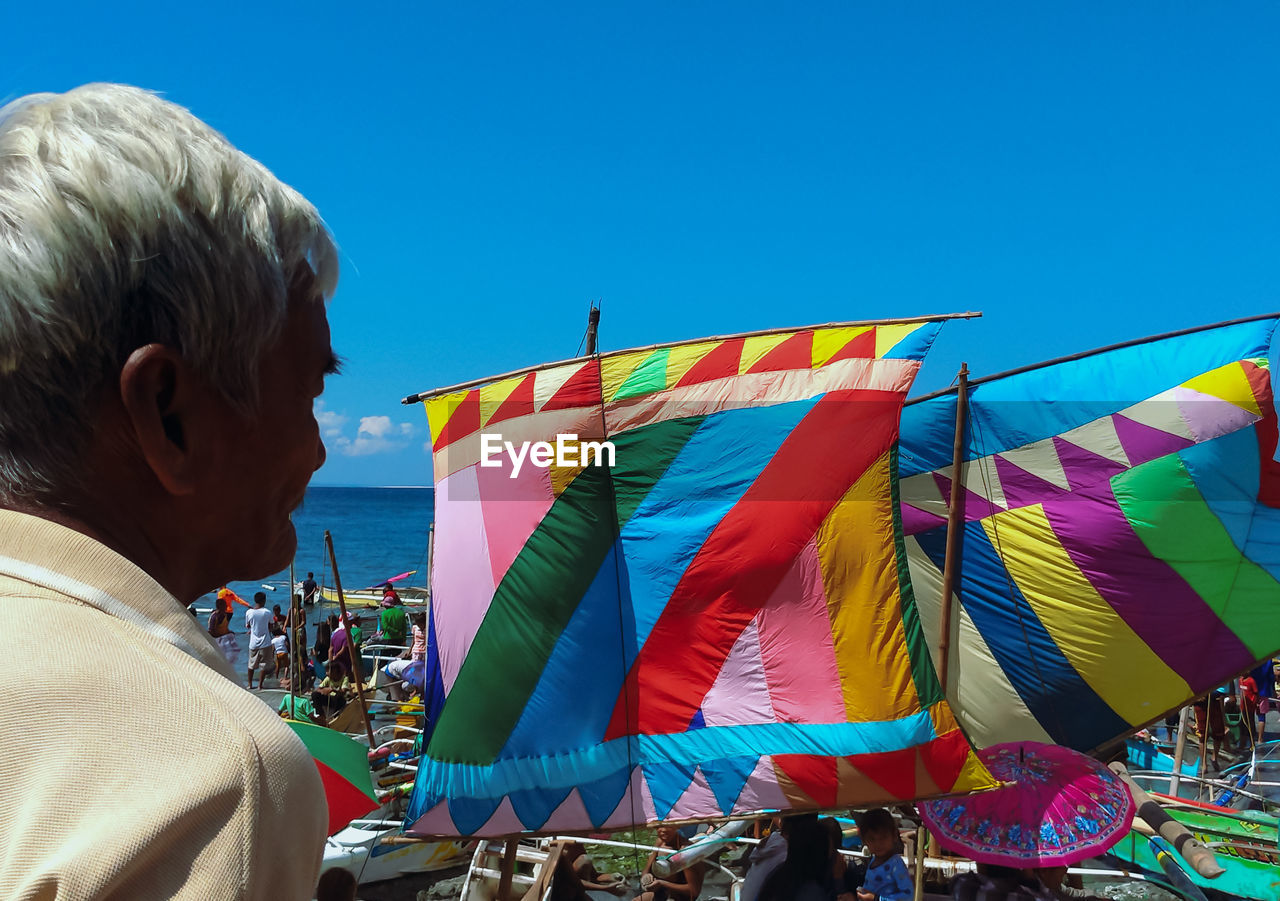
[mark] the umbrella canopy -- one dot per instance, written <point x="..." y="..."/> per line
<point x="386" y="582"/>
<point x="1062" y="807"/>
<point x="344" y="770"/>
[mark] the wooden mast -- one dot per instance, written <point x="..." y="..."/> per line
<point x="351" y="645"/>
<point x="593" y="330"/>
<point x="955" y="524"/>
<point x="292" y="639"/>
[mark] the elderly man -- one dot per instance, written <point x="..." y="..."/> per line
<point x="162" y="340"/>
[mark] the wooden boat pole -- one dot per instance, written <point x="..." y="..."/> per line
<point x="293" y="651"/>
<point x="351" y="645"/>
<point x="593" y="330"/>
<point x="1150" y="812"/>
<point x="955" y="525"/>
<point x="510" y="847"/>
<point x="431" y="555"/>
<point x="1204" y="744"/>
<point x="918" y="892"/>
<point x="1179" y="748"/>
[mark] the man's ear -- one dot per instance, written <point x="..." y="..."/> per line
<point x="168" y="409"/>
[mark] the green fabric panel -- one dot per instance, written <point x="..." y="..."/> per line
<point x="1168" y="514"/>
<point x="928" y="688"/>
<point x="643" y="456"/>
<point x="345" y="756"/>
<point x="651" y="375"/>
<point x="530" y="609"/>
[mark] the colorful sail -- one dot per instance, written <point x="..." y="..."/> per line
<point x="1121" y="541"/>
<point x="715" y="621"/>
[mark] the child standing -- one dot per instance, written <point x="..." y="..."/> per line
<point x="887" y="878"/>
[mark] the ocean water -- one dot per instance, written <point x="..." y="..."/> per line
<point x="377" y="533"/>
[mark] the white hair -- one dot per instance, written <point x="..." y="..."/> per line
<point x="125" y="220"/>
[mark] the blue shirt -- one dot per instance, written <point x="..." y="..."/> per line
<point x="889" y="881"/>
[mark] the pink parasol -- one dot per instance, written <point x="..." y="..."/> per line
<point x="392" y="579"/>
<point x="1063" y="807"/>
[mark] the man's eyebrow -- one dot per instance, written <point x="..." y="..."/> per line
<point x="333" y="366"/>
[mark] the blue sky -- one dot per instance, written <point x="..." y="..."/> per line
<point x="1082" y="174"/>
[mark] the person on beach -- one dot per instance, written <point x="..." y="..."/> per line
<point x="392" y="623"/>
<point x="309" y="589"/>
<point x="886" y="878"/>
<point x="280" y="645"/>
<point x="682" y="886"/>
<point x="389" y="596"/>
<point x="163" y="338"/>
<point x="258" y="623"/>
<point x="401" y="672"/>
<point x="805" y="874"/>
<point x="220" y="630"/>
<point x="320" y="652"/>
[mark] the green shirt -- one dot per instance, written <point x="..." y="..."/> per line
<point x="393" y="624"/>
<point x="303" y="709"/>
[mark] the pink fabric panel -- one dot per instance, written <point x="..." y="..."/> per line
<point x="570" y="816"/>
<point x="503" y="822"/>
<point x="761" y="791"/>
<point x="740" y="694"/>
<point x="1210" y="417"/>
<point x="697" y="802"/>
<point x="796" y="646"/>
<point x="512" y="509"/>
<point x="435" y="821"/>
<point x="461" y="578"/>
<point x="623" y="817"/>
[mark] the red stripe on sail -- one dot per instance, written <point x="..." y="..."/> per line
<point x="773" y="521"/>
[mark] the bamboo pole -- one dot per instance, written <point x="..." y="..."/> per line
<point x="351" y="645"/>
<point x="431" y="555"/>
<point x="1093" y="353"/>
<point x="293" y="650"/>
<point x="425" y="395"/>
<point x="918" y="892"/>
<point x="1180" y="747"/>
<point x="1204" y="744"/>
<point x="955" y="525"/>
<point x="593" y="330"/>
<point x="510" y="848"/>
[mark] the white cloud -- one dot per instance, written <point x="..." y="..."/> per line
<point x="331" y="423"/>
<point x="375" y="435"/>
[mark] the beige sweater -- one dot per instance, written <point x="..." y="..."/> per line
<point x="132" y="767"/>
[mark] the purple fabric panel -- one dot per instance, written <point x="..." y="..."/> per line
<point x="915" y="520"/>
<point x="1084" y="467"/>
<point x="975" y="505"/>
<point x="1148" y="594"/>
<point x="1142" y="443"/>
<point x="1022" y="488"/>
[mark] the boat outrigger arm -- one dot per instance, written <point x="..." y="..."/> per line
<point x="1191" y="849"/>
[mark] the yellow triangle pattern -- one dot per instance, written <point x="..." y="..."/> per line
<point x="682" y="359"/>
<point x="889" y="335"/>
<point x="754" y="349"/>
<point x="1227" y="383"/>
<point x="439" y="409"/>
<point x="827" y="342"/>
<point x="492" y="397"/>
<point x="614" y="371"/>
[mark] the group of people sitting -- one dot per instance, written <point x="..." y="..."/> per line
<point x="801" y="860"/>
